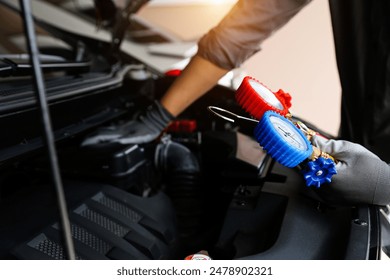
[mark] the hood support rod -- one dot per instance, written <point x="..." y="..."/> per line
<point x="40" y="92"/>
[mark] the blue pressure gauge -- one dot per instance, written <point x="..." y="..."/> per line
<point x="282" y="140"/>
<point x="289" y="146"/>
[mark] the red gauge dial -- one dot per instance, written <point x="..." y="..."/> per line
<point x="256" y="98"/>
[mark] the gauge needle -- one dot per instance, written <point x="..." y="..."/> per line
<point x="288" y="134"/>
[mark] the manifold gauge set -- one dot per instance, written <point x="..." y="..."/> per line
<point x="284" y="139"/>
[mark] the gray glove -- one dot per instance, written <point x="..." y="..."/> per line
<point x="362" y="177"/>
<point x="145" y="128"/>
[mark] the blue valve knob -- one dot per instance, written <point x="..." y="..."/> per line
<point x="319" y="171"/>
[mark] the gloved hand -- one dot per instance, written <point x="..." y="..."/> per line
<point x="362" y="177"/>
<point x="145" y="128"/>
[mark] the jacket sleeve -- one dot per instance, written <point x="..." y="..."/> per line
<point x="241" y="32"/>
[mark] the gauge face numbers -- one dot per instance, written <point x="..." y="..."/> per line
<point x="266" y="94"/>
<point x="289" y="133"/>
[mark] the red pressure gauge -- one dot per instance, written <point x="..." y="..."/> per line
<point x="255" y="98"/>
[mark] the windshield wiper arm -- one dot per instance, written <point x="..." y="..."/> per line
<point x="9" y="68"/>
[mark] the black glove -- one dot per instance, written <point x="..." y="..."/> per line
<point x="362" y="177"/>
<point x="145" y="128"/>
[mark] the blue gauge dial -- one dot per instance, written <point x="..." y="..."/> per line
<point x="282" y="140"/>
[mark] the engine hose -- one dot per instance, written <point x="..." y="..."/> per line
<point x="181" y="177"/>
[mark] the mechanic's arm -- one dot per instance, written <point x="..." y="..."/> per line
<point x="197" y="78"/>
<point x="226" y="46"/>
<point x="362" y="177"/>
